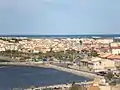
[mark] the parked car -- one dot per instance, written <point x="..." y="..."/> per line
<point x="102" y="73"/>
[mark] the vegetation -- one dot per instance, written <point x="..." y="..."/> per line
<point x="15" y="54"/>
<point x="13" y="40"/>
<point x="93" y="53"/>
<point x="67" y="55"/>
<point x="80" y="42"/>
<point x="77" y="87"/>
<point x="113" y="83"/>
<point x="109" y="76"/>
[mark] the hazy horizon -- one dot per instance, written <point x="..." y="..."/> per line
<point x="59" y="17"/>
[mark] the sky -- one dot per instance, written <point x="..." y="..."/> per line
<point x="59" y="17"/>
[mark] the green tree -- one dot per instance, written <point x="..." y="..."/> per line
<point x="109" y="76"/>
<point x="50" y="54"/>
<point x="80" y="42"/>
<point x="77" y="87"/>
<point x="94" y="53"/>
<point x="59" y="55"/>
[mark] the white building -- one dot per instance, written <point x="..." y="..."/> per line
<point x="98" y="64"/>
<point x="115" y="50"/>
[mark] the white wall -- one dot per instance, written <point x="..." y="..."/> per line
<point x="101" y="66"/>
<point x="115" y="51"/>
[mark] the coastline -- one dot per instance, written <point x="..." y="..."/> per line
<point x="73" y="71"/>
<point x="83" y="74"/>
<point x="76" y="72"/>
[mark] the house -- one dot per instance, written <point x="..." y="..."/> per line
<point x="98" y="64"/>
<point x="115" y="58"/>
<point x="115" y="50"/>
<point x="104" y="55"/>
<point x="112" y="49"/>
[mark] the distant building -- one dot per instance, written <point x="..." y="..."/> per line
<point x="98" y="64"/>
<point x="116" y="50"/>
<point x="116" y="39"/>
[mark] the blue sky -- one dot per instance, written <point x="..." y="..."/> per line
<point x="46" y="17"/>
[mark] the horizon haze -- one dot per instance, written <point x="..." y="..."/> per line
<point x="59" y="17"/>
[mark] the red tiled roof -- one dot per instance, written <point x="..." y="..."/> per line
<point x="103" y="48"/>
<point x="114" y="57"/>
<point x="109" y="56"/>
<point x="109" y="47"/>
<point x="105" y="55"/>
<point x="115" y="47"/>
<point x="87" y="43"/>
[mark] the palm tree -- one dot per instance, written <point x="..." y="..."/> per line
<point x="80" y="42"/>
<point x="110" y="49"/>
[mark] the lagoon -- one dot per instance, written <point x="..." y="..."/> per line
<point x="25" y="77"/>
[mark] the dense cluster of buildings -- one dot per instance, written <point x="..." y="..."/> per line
<point x="40" y="45"/>
<point x="44" y="44"/>
<point x="108" y="50"/>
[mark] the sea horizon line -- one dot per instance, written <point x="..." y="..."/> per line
<point x="60" y="35"/>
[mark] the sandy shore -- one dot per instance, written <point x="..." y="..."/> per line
<point x="79" y="73"/>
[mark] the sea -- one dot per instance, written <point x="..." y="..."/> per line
<point x="67" y="36"/>
<point x="25" y="77"/>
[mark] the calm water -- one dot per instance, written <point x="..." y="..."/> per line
<point x="17" y="76"/>
<point x="64" y="36"/>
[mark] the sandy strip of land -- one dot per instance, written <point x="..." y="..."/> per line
<point x="79" y="73"/>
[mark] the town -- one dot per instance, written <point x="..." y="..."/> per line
<point x="100" y="56"/>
